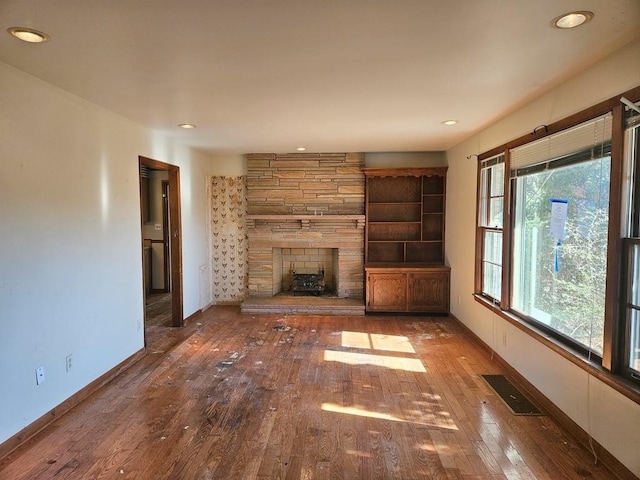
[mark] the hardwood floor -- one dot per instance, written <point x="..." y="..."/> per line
<point x="158" y="310"/>
<point x="304" y="397"/>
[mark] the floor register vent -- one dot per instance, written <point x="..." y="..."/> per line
<point x="513" y="398"/>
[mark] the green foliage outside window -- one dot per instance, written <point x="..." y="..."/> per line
<point x="572" y="299"/>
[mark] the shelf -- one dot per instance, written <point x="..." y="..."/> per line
<point x="415" y="266"/>
<point x="429" y="252"/>
<point x="394" y="231"/>
<point x="395" y="203"/>
<point x="386" y="251"/>
<point x="433" y="204"/>
<point x="405" y="224"/>
<point x="403" y="212"/>
<point x="433" y="185"/>
<point x="432" y="227"/>
<point x="394" y="190"/>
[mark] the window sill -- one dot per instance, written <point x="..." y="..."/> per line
<point x="618" y="383"/>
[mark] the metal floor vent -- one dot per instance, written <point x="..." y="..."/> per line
<point x="515" y="400"/>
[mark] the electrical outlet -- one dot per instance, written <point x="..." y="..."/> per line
<point x="39" y="375"/>
<point x="69" y="362"/>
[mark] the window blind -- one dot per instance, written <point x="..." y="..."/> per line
<point x="588" y="140"/>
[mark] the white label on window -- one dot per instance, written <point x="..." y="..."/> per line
<point x="558" y="217"/>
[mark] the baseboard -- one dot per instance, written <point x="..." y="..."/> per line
<point x="207" y="307"/>
<point x="192" y="317"/>
<point x="28" y="432"/>
<point x="604" y="456"/>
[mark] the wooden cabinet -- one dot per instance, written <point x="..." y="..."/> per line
<point x="428" y="290"/>
<point x="386" y="291"/>
<point x="405" y="223"/>
<point x="407" y="289"/>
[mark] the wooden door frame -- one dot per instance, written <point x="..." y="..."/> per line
<point x="166" y="248"/>
<point x="175" y="233"/>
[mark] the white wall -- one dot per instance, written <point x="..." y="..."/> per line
<point x="70" y="241"/>
<point x="405" y="159"/>
<point x="229" y="165"/>
<point x="612" y="419"/>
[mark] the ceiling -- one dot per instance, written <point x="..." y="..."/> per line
<point x="329" y="75"/>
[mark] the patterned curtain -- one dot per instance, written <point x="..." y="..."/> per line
<point x="227" y="239"/>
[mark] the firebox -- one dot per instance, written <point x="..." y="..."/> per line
<point x="308" y="283"/>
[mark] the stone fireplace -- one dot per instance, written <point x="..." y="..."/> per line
<point x="305" y="214"/>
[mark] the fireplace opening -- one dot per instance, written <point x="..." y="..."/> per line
<point x="305" y="271"/>
<point x="308" y="283"/>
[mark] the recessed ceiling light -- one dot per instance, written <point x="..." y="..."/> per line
<point x="301" y="149"/>
<point x="572" y="19"/>
<point x="186" y="125"/>
<point x="28" y="35"/>
<point x="449" y="122"/>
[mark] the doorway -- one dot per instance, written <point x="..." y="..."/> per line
<point x="162" y="240"/>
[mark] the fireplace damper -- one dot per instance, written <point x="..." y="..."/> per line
<point x="307" y="283"/>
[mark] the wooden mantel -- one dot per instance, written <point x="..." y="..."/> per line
<point x="305" y="220"/>
<point x="404" y="172"/>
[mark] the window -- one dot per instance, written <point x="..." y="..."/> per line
<point x="632" y="317"/>
<point x="559" y="277"/>
<point x="631" y="357"/>
<point x="550" y="236"/>
<point x="490" y="224"/>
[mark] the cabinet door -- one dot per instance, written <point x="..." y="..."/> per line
<point x="429" y="292"/>
<point x="387" y="292"/>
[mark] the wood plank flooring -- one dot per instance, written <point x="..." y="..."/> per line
<point x="157" y="310"/>
<point x="237" y="396"/>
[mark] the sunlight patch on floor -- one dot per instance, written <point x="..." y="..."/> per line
<point x="376" y="341"/>
<point x="397" y="363"/>
<point x="361" y="412"/>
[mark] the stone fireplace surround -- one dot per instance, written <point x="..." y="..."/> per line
<point x="305" y="201"/>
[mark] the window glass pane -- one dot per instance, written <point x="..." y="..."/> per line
<point x="497" y="180"/>
<point x="495" y="212"/>
<point x="634" y="339"/>
<point x="563" y="286"/>
<point x="482" y="209"/>
<point x="493" y="247"/>
<point x="492" y="283"/>
<point x="491" y="196"/>
<point x="492" y="263"/>
<point x="634" y="297"/>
